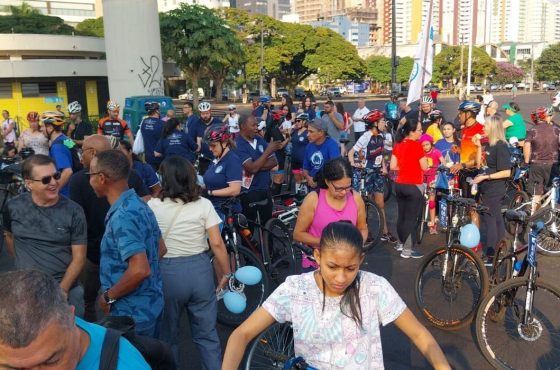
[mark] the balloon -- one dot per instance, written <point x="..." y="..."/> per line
<point x="470" y="236"/>
<point x="235" y="302"/>
<point x="248" y="275"/>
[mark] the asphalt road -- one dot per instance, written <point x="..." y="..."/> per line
<point x="459" y="346"/>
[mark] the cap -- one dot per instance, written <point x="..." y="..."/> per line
<point x="231" y="107"/>
<point x="508" y="107"/>
<point x="318" y="124"/>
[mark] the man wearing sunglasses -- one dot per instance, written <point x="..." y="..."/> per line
<point x="45" y="231"/>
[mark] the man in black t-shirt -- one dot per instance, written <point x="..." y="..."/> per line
<point x="95" y="210"/>
<point x="77" y="128"/>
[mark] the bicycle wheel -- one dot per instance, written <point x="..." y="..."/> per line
<point x="548" y="238"/>
<point x="517" y="200"/>
<point x="501" y="268"/>
<point x="375" y="226"/>
<point x="505" y="341"/>
<point x="449" y="302"/>
<point x="278" y="242"/>
<point x="422" y="222"/>
<point x="272" y="348"/>
<point x="255" y="294"/>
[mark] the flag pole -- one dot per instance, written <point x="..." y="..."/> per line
<point x="427" y="43"/>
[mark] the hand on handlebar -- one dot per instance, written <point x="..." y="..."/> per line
<point x="456" y="168"/>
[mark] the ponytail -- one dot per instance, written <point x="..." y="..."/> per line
<point x="406" y="128"/>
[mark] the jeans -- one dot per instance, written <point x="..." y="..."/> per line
<point x="76" y="299"/>
<point x="90" y="281"/>
<point x="188" y="284"/>
<point x="493" y="220"/>
<point x="409" y="205"/>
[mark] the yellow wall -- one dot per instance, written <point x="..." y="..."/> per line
<point x="91" y="97"/>
<point x="416" y="27"/>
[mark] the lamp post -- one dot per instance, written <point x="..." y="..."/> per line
<point x="462" y="51"/>
<point x="261" y="70"/>
<point x="394" y="60"/>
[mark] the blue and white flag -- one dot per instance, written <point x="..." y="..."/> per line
<point x="423" y="61"/>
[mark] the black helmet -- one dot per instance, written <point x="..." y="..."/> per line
<point x="26" y="152"/>
<point x="435" y="115"/>
<point x="469" y="106"/>
<point x="151" y="106"/>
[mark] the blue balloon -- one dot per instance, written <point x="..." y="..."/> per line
<point x="248" y="275"/>
<point x="470" y="236"/>
<point x="235" y="302"/>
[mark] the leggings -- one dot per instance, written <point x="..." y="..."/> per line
<point x="409" y="204"/>
<point x="493" y="221"/>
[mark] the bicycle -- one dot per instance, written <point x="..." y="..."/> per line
<point x="450" y="277"/>
<point x="373" y="213"/>
<point x="517" y="324"/>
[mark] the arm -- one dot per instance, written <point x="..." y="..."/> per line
<point x="265" y="162"/>
<point x="71" y="128"/>
<point x="422" y="339"/>
<point x="221" y="264"/>
<point x="351" y="157"/>
<point x="10" y="243"/>
<point x="339" y="124"/>
<point x="394" y="164"/>
<point x="8" y="129"/>
<point x="233" y="190"/>
<point x="155" y="190"/>
<point x="162" y="249"/>
<point x="361" y="222"/>
<point x="21" y="141"/>
<point x="507" y="123"/>
<point x="238" y="340"/>
<point x="304" y="220"/>
<point x="424" y="165"/>
<point x="309" y="179"/>
<point x="65" y="176"/>
<point x="527" y="151"/>
<point x="128" y="133"/>
<point x="75" y="267"/>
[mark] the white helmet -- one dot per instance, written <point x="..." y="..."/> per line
<point x="74" y="107"/>
<point x="427" y="100"/>
<point x="112" y="105"/>
<point x="204" y="106"/>
<point x="261" y="125"/>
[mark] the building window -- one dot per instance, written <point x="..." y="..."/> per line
<point x="5" y="90"/>
<point x="36" y="89"/>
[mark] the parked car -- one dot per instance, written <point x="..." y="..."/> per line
<point x="556" y="101"/>
<point x="189" y="96"/>
<point x="299" y="93"/>
<point x="549" y="86"/>
<point x="281" y="92"/>
<point x="495" y="87"/>
<point x="508" y="86"/>
<point x="522" y="86"/>
<point x="334" y="91"/>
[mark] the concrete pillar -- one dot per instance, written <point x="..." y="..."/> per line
<point x="133" y="48"/>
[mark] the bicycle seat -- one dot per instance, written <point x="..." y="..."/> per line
<point x="260" y="203"/>
<point x="512" y="215"/>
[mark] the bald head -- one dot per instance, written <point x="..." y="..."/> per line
<point x="92" y="145"/>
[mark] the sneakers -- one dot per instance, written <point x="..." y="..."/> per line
<point x="411" y="254"/>
<point x="388" y="237"/>
<point x="398" y="247"/>
<point x="433" y="230"/>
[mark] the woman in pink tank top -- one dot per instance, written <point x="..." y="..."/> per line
<point x="335" y="201"/>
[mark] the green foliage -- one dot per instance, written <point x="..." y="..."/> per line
<point x="404" y="68"/>
<point x="447" y="64"/>
<point x="379" y="68"/>
<point x="547" y="66"/>
<point x="198" y="40"/>
<point x="34" y="23"/>
<point x="24" y="9"/>
<point x="91" y="27"/>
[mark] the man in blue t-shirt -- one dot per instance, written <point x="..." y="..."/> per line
<point x="190" y="117"/>
<point x="391" y="109"/>
<point x="197" y="129"/>
<point x="320" y="150"/>
<point x="59" y="150"/>
<point x="257" y="158"/>
<point x="39" y="328"/>
<point x="151" y="128"/>
<point x="130" y="248"/>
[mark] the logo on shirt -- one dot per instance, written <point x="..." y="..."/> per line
<point x="219" y="169"/>
<point x="301" y="138"/>
<point x="317" y="159"/>
<point x="261" y="148"/>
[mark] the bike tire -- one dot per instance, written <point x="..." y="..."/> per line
<point x="442" y="303"/>
<point x="278" y="242"/>
<point x="272" y="348"/>
<point x="375" y="226"/>
<point x="499" y="330"/>
<point x="255" y="294"/>
<point x="421" y="229"/>
<point x="518" y="199"/>
<point x="548" y="240"/>
<point x="501" y="268"/>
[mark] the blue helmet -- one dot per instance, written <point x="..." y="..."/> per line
<point x="469" y="106"/>
<point x="265" y="99"/>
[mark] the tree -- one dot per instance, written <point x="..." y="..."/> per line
<point x="547" y="66"/>
<point x="507" y="72"/>
<point x="447" y="64"/>
<point x="198" y="40"/>
<point x="34" y="23"/>
<point x="24" y="9"/>
<point x="404" y="68"/>
<point x="379" y="68"/>
<point x="91" y="27"/>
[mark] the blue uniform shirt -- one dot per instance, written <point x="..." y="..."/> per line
<point x="317" y="155"/>
<point x="197" y="129"/>
<point x="177" y="143"/>
<point x="220" y="173"/>
<point x="299" y="143"/>
<point x="151" y="133"/>
<point x="311" y="113"/>
<point x="189" y="121"/>
<point x="246" y="151"/>
<point x="146" y="173"/>
<point x="129" y="357"/>
<point x="131" y="228"/>
<point x="63" y="159"/>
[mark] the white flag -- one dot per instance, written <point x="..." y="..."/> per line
<point x="423" y="61"/>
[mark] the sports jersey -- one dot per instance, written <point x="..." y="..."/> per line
<point x="221" y="173"/>
<point x="177" y="143"/>
<point x="252" y="151"/>
<point x="113" y="127"/>
<point x="373" y="145"/>
<point x="468" y="149"/>
<point x="62" y="157"/>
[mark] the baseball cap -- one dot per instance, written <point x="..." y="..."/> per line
<point x="318" y="124"/>
<point x="509" y="107"/>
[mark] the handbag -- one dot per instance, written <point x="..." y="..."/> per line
<point x="138" y="146"/>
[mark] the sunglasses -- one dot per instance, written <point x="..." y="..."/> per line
<point x="90" y="174"/>
<point x="45" y="180"/>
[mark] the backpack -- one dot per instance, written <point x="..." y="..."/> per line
<point x="75" y="153"/>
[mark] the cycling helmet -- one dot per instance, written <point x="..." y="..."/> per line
<point x="52" y="118"/>
<point x="435" y="115"/>
<point x="540" y="114"/>
<point x="426" y="137"/>
<point x="232" y="107"/>
<point x="26" y="152"/>
<point x="33" y="116"/>
<point x="74" y="107"/>
<point x="303" y="117"/>
<point x="277" y="115"/>
<point x="265" y="99"/>
<point x="427" y="100"/>
<point x="112" y="106"/>
<point x="469" y="106"/>
<point x="151" y="106"/>
<point x="217" y="133"/>
<point x="372" y="117"/>
<point x="204" y="106"/>
<point x="261" y="125"/>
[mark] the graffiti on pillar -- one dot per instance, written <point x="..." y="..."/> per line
<point x="151" y="76"/>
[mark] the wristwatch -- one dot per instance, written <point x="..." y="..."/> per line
<point x="108" y="299"/>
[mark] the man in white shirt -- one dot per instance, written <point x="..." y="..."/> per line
<point x="359" y="125"/>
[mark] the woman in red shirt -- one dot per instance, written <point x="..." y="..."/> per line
<point x="408" y="158"/>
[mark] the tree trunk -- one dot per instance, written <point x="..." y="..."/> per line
<point x="195" y="75"/>
<point x="219" y="82"/>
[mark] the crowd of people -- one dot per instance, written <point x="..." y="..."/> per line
<point x="126" y="230"/>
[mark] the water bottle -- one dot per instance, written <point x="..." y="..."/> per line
<point x="517" y="268"/>
<point x="474" y="187"/>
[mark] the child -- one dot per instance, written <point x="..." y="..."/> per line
<point x="434" y="160"/>
<point x="434" y="129"/>
<point x="449" y="146"/>
<point x="336" y="311"/>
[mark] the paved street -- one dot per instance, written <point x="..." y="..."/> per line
<point x="459" y="346"/>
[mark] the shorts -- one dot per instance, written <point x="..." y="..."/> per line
<point x="281" y="158"/>
<point x="375" y="181"/>
<point x="539" y="177"/>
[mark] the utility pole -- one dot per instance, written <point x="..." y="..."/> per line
<point x="469" y="62"/>
<point x="461" y="79"/>
<point x="532" y="69"/>
<point x="261" y="92"/>
<point x="394" y="60"/>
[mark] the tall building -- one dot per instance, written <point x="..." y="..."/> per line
<point x="313" y="10"/>
<point x="166" y="5"/>
<point x="273" y="8"/>
<point x="71" y="11"/>
<point x="358" y="34"/>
